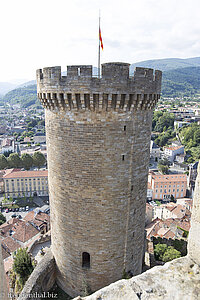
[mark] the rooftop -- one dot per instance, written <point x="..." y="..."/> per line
<point x="25" y="174"/>
<point x="169" y="177"/>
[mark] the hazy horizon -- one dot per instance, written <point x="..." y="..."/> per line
<point x="38" y="34"/>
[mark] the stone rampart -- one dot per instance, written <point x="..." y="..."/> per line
<point x="177" y="280"/>
<point x="3" y="283"/>
<point x="41" y="280"/>
<point x="194" y="235"/>
<point x="41" y="239"/>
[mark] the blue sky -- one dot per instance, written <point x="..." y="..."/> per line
<point x="40" y="33"/>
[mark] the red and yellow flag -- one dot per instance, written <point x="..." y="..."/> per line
<point x="100" y="38"/>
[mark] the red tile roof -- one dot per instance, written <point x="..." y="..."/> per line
<point x="37" y="219"/>
<point x="170" y="178"/>
<point x="173" y="147"/>
<point x="10" y="244"/>
<point x="26" y="174"/>
<point x="24" y="232"/>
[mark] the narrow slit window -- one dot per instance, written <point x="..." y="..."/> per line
<point x="123" y="156"/>
<point x="79" y="71"/>
<point x="124" y="127"/>
<point x="85" y="260"/>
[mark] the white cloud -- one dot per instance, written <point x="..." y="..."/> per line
<point x="35" y="34"/>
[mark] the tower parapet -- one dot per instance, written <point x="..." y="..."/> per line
<point x="115" y="90"/>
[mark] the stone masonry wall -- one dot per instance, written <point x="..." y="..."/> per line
<point x="98" y="135"/>
<point x="194" y="240"/>
<point x="3" y="283"/>
<point x="41" y="280"/>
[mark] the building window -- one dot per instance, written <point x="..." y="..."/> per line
<point x="123" y="157"/>
<point x="85" y="260"/>
<point x="161" y="190"/>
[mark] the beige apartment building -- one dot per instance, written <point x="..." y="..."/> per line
<point x="26" y="183"/>
<point x="164" y="186"/>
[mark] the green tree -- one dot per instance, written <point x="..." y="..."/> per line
<point x="27" y="161"/>
<point x="164" y="162"/>
<point x="163" y="169"/>
<point x="197" y="136"/>
<point x="164" y="122"/>
<point x="159" y="251"/>
<point x="3" y="162"/>
<point x="14" y="160"/>
<point x="2" y="219"/>
<point x="38" y="159"/>
<point x="171" y="254"/>
<point x="23" y="265"/>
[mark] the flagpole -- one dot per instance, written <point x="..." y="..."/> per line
<point x="99" y="49"/>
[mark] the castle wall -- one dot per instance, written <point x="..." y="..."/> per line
<point x="98" y="140"/>
<point x="3" y="283"/>
<point x="194" y="241"/>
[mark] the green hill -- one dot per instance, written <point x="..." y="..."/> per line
<point x="181" y="82"/>
<point x="181" y="77"/>
<point x="25" y="96"/>
<point x="167" y="64"/>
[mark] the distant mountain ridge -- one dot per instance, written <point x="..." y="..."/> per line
<point x="6" y="87"/>
<point x="167" y="64"/>
<point x="181" y="77"/>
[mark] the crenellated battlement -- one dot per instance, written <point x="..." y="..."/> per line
<point x="115" y="90"/>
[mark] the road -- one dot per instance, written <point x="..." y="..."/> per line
<point x="9" y="214"/>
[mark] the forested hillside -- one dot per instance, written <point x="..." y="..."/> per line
<point x="24" y="96"/>
<point x="181" y="82"/>
<point x="181" y="77"/>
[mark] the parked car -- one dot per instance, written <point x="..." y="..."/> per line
<point x="27" y="208"/>
<point x="6" y="210"/>
<point x="14" y="215"/>
<point x="17" y="209"/>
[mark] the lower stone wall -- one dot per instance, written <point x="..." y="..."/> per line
<point x="3" y="283"/>
<point x="178" y="280"/>
<point x="42" y="239"/>
<point x="41" y="280"/>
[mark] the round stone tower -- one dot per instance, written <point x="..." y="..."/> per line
<point x="98" y="139"/>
